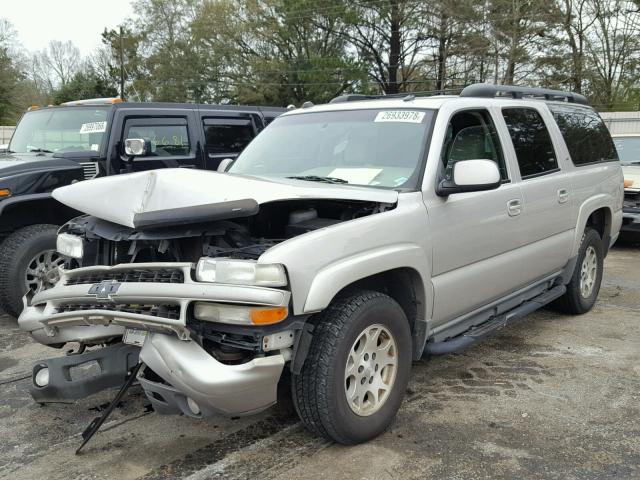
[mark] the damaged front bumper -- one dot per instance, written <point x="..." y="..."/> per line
<point x="94" y="305"/>
<point x="211" y="386"/>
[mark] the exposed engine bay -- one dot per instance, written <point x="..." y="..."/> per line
<point x="241" y="238"/>
<point x="142" y="280"/>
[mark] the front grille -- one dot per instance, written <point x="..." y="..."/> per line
<point x="631" y="199"/>
<point x="165" y="275"/>
<point x="89" y="169"/>
<point x="171" y="312"/>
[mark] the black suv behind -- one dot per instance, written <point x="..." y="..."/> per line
<point x="56" y="146"/>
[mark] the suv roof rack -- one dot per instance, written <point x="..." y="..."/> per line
<point x="354" y="97"/>
<point x="487" y="90"/>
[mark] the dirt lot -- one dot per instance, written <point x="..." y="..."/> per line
<point x="550" y="397"/>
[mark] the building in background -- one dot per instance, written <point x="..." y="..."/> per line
<point x="5" y="134"/>
<point x="622" y="122"/>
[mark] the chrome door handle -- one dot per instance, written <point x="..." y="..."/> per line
<point x="563" y="195"/>
<point x="514" y="207"/>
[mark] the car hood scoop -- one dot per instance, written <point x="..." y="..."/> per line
<point x="161" y="198"/>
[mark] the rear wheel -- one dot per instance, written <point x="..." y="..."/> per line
<point x="582" y="290"/>
<point x="354" y="378"/>
<point x="28" y="261"/>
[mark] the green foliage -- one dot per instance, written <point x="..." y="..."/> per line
<point x="280" y="52"/>
<point x="10" y="78"/>
<point x="84" y="85"/>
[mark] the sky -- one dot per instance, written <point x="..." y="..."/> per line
<point x="81" y="21"/>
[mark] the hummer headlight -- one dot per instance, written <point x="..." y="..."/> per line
<point x="240" y="272"/>
<point x="70" y="245"/>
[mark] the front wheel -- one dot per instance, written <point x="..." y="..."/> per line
<point x="354" y="378"/>
<point x="28" y="261"/>
<point x="583" y="288"/>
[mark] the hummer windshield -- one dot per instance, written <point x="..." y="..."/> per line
<point x="379" y="148"/>
<point x="628" y="149"/>
<point x="61" y="129"/>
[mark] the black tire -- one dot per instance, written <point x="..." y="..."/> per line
<point x="319" y="390"/>
<point x="573" y="301"/>
<point x="15" y="254"/>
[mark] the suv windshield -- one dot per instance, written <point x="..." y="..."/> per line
<point x="628" y="149"/>
<point x="72" y="129"/>
<point x="381" y="148"/>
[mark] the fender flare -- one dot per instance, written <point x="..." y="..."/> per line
<point x="11" y="201"/>
<point x="592" y="204"/>
<point x="346" y="271"/>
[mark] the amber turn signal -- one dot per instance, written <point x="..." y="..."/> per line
<point x="628" y="183"/>
<point x="268" y="316"/>
<point x="5" y="192"/>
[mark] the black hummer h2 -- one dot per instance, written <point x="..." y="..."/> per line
<point x="56" y="146"/>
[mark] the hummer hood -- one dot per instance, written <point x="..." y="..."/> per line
<point x="173" y="196"/>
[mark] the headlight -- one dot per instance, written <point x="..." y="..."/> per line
<point x="70" y="245"/>
<point x="240" y="272"/>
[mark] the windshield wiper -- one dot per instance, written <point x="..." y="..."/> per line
<point x="316" y="178"/>
<point x="39" y="150"/>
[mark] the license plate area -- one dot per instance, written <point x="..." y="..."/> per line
<point x="134" y="336"/>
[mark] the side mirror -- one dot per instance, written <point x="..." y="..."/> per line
<point x="137" y="147"/>
<point x="225" y="164"/>
<point x="471" y="176"/>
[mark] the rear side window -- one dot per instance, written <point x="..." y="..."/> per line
<point x="531" y="141"/>
<point x="227" y="135"/>
<point x="585" y="134"/>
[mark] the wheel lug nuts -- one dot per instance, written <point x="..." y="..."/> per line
<point x="366" y="356"/>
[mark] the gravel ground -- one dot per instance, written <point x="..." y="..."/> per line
<point x="551" y="397"/>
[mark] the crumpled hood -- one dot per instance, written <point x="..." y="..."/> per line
<point x="632" y="172"/>
<point x="120" y="198"/>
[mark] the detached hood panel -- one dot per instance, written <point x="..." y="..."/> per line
<point x="123" y="199"/>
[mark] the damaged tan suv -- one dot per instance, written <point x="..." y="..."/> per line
<point x="346" y="241"/>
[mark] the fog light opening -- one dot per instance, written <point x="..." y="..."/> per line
<point x="41" y="378"/>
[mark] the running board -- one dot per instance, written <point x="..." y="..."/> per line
<point x="478" y="332"/>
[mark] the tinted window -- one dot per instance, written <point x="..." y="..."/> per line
<point x="166" y="140"/>
<point x="471" y="135"/>
<point x="531" y="141"/>
<point x="227" y="136"/>
<point x="585" y="134"/>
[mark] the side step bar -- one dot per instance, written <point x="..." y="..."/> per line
<point x="477" y="333"/>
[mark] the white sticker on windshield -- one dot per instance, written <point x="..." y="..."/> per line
<point x="408" y="116"/>
<point x="359" y="176"/>
<point x="94" y="127"/>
